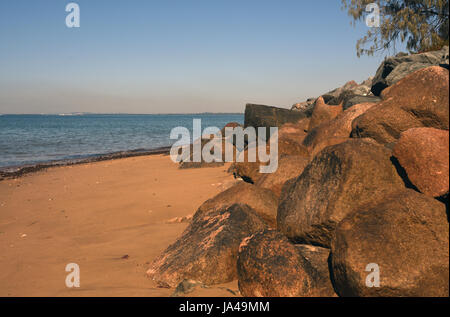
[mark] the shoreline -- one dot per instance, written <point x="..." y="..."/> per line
<point x="112" y="218"/>
<point x="16" y="171"/>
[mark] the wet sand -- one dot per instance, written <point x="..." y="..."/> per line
<point x="112" y="218"/>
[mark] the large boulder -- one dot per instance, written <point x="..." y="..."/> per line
<point x="288" y="167"/>
<point x="207" y="250"/>
<point x="270" y="266"/>
<point x="290" y="138"/>
<point x="419" y="100"/>
<point x="212" y="142"/>
<point x="296" y="131"/>
<point x="247" y="167"/>
<point x="266" y="116"/>
<point x="424" y="155"/>
<point x="339" y="127"/>
<point x="395" y="68"/>
<point x="323" y="113"/>
<point x="339" y="180"/>
<point x="263" y="201"/>
<point x="404" y="238"/>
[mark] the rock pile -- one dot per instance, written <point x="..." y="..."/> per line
<point x="357" y="207"/>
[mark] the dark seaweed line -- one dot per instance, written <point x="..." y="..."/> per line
<point x="18" y="171"/>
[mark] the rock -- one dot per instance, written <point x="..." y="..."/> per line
<point x="296" y="131"/>
<point x="339" y="180"/>
<point x="202" y="164"/>
<point x="230" y="125"/>
<point x="289" y="143"/>
<point x="270" y="266"/>
<point x="337" y="130"/>
<point x="323" y="113"/>
<point x="306" y="107"/>
<point x="362" y="91"/>
<point x="326" y="143"/>
<point x="319" y="259"/>
<point x="335" y="93"/>
<point x="396" y="68"/>
<point x="267" y="116"/>
<point x="207" y="250"/>
<point x="419" y="100"/>
<point x="342" y="99"/>
<point x="263" y="202"/>
<point x="424" y="155"/>
<point x="248" y="171"/>
<point x="184" y="164"/>
<point x="359" y="100"/>
<point x="288" y="167"/>
<point x="352" y="95"/>
<point x="246" y="168"/>
<point x="186" y="287"/>
<point x="406" y="236"/>
<point x="368" y="82"/>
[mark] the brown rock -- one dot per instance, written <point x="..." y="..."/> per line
<point x="406" y="236"/>
<point x="289" y="143"/>
<point x="207" y="250"/>
<point x="221" y="144"/>
<point x="288" y="146"/>
<point x="270" y="266"/>
<point x="296" y="131"/>
<point x="326" y="143"/>
<point x="263" y="201"/>
<point x="421" y="99"/>
<point x="338" y="180"/>
<point x="246" y="169"/>
<point x="323" y="113"/>
<point x="319" y="259"/>
<point x="424" y="154"/>
<point x="339" y="127"/>
<point x="288" y="167"/>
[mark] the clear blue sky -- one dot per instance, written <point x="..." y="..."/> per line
<point x="172" y="56"/>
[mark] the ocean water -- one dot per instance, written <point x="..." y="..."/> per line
<point x="31" y="139"/>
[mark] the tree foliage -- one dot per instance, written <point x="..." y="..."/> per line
<point x="422" y="24"/>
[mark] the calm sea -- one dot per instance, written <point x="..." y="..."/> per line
<point x="30" y="139"/>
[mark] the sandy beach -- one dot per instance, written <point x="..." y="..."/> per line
<point x="112" y="218"/>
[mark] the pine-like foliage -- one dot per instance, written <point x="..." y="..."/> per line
<point x="422" y="24"/>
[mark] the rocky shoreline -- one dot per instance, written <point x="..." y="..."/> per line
<point x="357" y="207"/>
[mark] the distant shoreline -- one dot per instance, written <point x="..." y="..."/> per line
<point x="20" y="170"/>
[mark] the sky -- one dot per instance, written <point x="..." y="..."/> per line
<point x="174" y="56"/>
